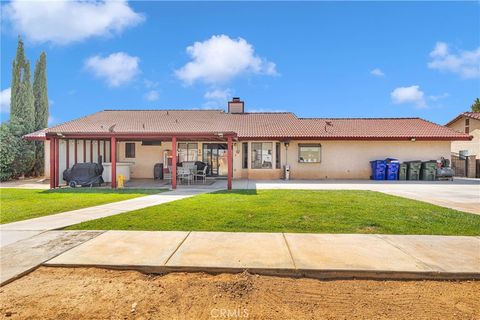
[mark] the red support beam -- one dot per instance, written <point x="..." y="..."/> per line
<point x="91" y="150"/>
<point x="98" y="149"/>
<point x="57" y="181"/>
<point x="230" y="163"/>
<point x="84" y="151"/>
<point x="113" y="156"/>
<point x="75" y="150"/>
<point x="67" y="158"/>
<point x="104" y="151"/>
<point x="52" y="163"/>
<point x="174" y="162"/>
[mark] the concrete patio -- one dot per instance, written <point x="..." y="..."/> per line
<point x="312" y="255"/>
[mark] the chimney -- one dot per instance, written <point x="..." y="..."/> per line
<point x="236" y="105"/>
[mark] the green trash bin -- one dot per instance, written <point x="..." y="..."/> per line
<point x="402" y="172"/>
<point x="413" y="169"/>
<point x="429" y="170"/>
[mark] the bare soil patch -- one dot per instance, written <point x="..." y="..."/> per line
<point x="91" y="293"/>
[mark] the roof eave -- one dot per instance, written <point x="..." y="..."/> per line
<point x="353" y="138"/>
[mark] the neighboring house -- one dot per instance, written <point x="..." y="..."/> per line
<point x="468" y="123"/>
<point x="240" y="145"/>
<point x="466" y="154"/>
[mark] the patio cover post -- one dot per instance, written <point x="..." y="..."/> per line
<point x="113" y="156"/>
<point x="75" y="150"/>
<point x="52" y="163"/>
<point x="230" y="163"/>
<point x="67" y="158"/>
<point x="174" y="162"/>
<point x="57" y="167"/>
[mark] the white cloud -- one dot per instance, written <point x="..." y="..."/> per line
<point x="440" y="50"/>
<point x="412" y="94"/>
<point x="218" y="94"/>
<point x="377" y="72"/>
<point x="217" y="98"/>
<point x="152" y="95"/>
<point x="117" y="68"/>
<point x="220" y="59"/>
<point x="439" y="96"/>
<point x="5" y="100"/>
<point x="150" y="84"/>
<point x="464" y="63"/>
<point x="66" y="21"/>
<point x="51" y="120"/>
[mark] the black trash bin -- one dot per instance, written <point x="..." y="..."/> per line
<point x="158" y="171"/>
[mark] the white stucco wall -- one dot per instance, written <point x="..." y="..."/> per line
<point x="340" y="159"/>
<point x="145" y="158"/>
<point x="345" y="159"/>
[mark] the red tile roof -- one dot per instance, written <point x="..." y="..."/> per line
<point x="471" y="115"/>
<point x="275" y="125"/>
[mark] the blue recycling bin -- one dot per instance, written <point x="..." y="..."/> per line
<point x="393" y="166"/>
<point x="378" y="169"/>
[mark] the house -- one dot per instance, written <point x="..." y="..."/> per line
<point x="468" y="123"/>
<point x="466" y="150"/>
<point x="240" y="145"/>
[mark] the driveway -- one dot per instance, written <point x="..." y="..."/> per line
<point x="460" y="194"/>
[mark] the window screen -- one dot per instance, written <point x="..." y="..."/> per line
<point x="277" y="155"/>
<point x="262" y="155"/>
<point x="129" y="150"/>
<point x="245" y="155"/>
<point x="187" y="152"/>
<point x="309" y="153"/>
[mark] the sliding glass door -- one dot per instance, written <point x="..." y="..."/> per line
<point x="216" y="157"/>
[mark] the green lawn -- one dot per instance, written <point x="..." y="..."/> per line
<point x="295" y="211"/>
<point x="21" y="204"/>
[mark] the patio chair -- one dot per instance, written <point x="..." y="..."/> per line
<point x="167" y="173"/>
<point x="185" y="174"/>
<point x="202" y="174"/>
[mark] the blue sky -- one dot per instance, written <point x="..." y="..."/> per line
<point x="316" y="59"/>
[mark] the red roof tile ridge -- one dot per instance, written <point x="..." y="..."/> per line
<point x="157" y="110"/>
<point x="468" y="114"/>
<point x="362" y="118"/>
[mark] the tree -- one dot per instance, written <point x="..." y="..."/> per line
<point x="41" y="110"/>
<point x="476" y="105"/>
<point x="7" y="152"/>
<point x="22" y="111"/>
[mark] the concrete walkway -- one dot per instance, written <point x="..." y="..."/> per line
<point x="312" y="255"/>
<point x="15" y="231"/>
<point x="24" y="256"/>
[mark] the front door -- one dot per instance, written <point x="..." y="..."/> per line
<point x="216" y="157"/>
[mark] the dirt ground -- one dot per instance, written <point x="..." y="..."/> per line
<point x="90" y="293"/>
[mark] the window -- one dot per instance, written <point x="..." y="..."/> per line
<point x="467" y="125"/>
<point x="151" y="143"/>
<point x="309" y="153"/>
<point x="262" y="155"/>
<point x="129" y="150"/>
<point x="187" y="152"/>
<point x="245" y="155"/>
<point x="278" y="159"/>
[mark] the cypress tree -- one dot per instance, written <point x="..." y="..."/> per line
<point x="22" y="111"/>
<point x="41" y="110"/>
<point x="18" y="66"/>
